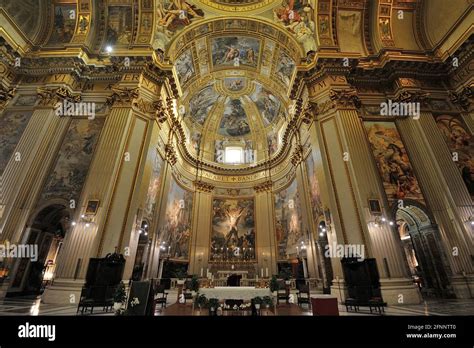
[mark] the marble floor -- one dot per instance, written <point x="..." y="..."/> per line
<point x="34" y="306"/>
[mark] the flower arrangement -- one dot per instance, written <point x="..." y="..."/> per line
<point x="134" y="302"/>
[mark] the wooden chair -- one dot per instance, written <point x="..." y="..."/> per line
<point x="303" y="295"/>
<point x="161" y="296"/>
<point x="282" y="292"/>
<point x="187" y="292"/>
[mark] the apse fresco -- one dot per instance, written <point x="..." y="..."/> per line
<point x="460" y="141"/>
<point x="176" y="229"/>
<point x="73" y="161"/>
<point x="289" y="229"/>
<point x="155" y="181"/>
<point x="233" y="50"/>
<point x="185" y="67"/>
<point x="268" y="104"/>
<point x="12" y="125"/>
<point x="201" y="103"/>
<point x="119" y="25"/>
<point x="64" y="24"/>
<point x="234" y="120"/>
<point x="233" y="230"/>
<point x="285" y="68"/>
<point x="392" y="161"/>
<point x="315" y="191"/>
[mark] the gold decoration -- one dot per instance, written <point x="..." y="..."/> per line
<point x="6" y="94"/>
<point x="463" y="98"/>
<point x="122" y="96"/>
<point x="264" y="186"/>
<point x="345" y="98"/>
<point x="203" y="186"/>
<point x="53" y="96"/>
<point x="170" y="154"/>
<point x="297" y="155"/>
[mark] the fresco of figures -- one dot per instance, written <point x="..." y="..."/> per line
<point x="232" y="50"/>
<point x="460" y="141"/>
<point x="201" y="104"/>
<point x="176" y="229"/>
<point x="12" y="125"/>
<point x="297" y="16"/>
<point x="234" y="121"/>
<point x="272" y="142"/>
<point x="155" y="181"/>
<point x="235" y="84"/>
<point x="119" y="25"/>
<point x="64" y="24"/>
<point x="289" y="229"/>
<point x="315" y="191"/>
<point x="268" y="104"/>
<point x="392" y="161"/>
<point x="285" y="68"/>
<point x="233" y="230"/>
<point x="195" y="141"/>
<point x="75" y="155"/>
<point x="185" y="67"/>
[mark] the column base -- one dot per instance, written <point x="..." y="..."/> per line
<point x="399" y="291"/>
<point x="463" y="286"/>
<point x="62" y="290"/>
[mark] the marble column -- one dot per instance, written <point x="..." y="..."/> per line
<point x="265" y="230"/>
<point x="201" y="229"/>
<point x="445" y="193"/>
<point x="354" y="180"/>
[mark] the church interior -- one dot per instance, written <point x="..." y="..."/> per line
<point x="236" y="157"/>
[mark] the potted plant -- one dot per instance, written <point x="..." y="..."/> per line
<point x="267" y="301"/>
<point x="257" y="302"/>
<point x="273" y="284"/>
<point x="213" y="304"/>
<point x="120" y="297"/>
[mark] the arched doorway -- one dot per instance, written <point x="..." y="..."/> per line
<point x="423" y="249"/>
<point x="46" y="232"/>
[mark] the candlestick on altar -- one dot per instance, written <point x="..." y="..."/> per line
<point x="266" y="272"/>
<point x="202" y="272"/>
<point x="262" y="272"/>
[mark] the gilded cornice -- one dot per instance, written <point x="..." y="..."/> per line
<point x="297" y="155"/>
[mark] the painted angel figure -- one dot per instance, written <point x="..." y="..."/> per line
<point x="178" y="10"/>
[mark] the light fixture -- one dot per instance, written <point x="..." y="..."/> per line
<point x="324" y="230"/>
<point x="83" y="216"/>
<point x="146" y="233"/>
<point x="73" y="223"/>
<point x="321" y="234"/>
<point x="140" y="232"/>
<point x="391" y="223"/>
<point x="88" y="224"/>
<point x="108" y="49"/>
<point x="383" y="219"/>
<point x="145" y="226"/>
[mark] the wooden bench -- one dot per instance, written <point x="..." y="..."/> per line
<point x="375" y="303"/>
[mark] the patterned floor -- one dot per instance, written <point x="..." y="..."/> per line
<point x="33" y="306"/>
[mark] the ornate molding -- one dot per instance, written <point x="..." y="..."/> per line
<point x="310" y="112"/>
<point x="203" y="186"/>
<point x="407" y="96"/>
<point x="297" y="155"/>
<point x="265" y="186"/>
<point x="122" y="96"/>
<point x="170" y="154"/>
<point x="53" y="96"/>
<point x="463" y="98"/>
<point x="6" y="94"/>
<point x="345" y="98"/>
